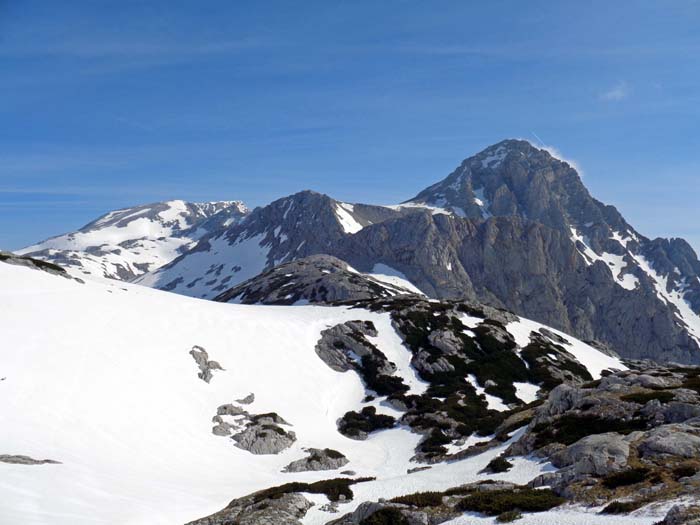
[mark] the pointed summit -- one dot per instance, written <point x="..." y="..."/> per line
<point x="515" y="178"/>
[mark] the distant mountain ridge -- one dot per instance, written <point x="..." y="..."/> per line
<point x="513" y="227"/>
<point x="126" y="243"/>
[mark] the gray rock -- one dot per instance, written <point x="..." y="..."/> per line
<point x="26" y="460"/>
<point x="288" y="509"/>
<point x="206" y="367"/>
<point x="318" y="459"/>
<point x="34" y="263"/>
<point x="598" y="455"/>
<point x="675" y="440"/>
<point x="256" y="433"/>
<point x="247" y="400"/>
<point x="682" y="515"/>
<point x="411" y="515"/>
<point x="263" y="435"/>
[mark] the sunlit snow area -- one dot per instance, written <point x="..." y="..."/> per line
<point x="100" y="379"/>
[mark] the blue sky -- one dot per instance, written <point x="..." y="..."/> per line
<point x="110" y="104"/>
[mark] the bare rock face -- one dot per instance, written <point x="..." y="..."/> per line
<point x="624" y="436"/>
<point x="25" y="460"/>
<point x="681" y="440"/>
<point x="598" y="455"/>
<point x="317" y="279"/>
<point x="287" y="509"/>
<point x="206" y="367"/>
<point x="256" y="433"/>
<point x="318" y="459"/>
<point x="37" y="264"/>
<point x="682" y="515"/>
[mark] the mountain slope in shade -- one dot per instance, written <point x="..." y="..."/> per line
<point x="129" y="418"/>
<point x="125" y="243"/>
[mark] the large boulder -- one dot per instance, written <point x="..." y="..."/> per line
<point x="597" y="455"/>
<point x="673" y="440"/>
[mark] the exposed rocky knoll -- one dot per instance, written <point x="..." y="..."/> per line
<point x="318" y="279"/>
<point x="464" y="353"/>
<point x="37" y="264"/>
<point x="282" y="505"/>
<point x="25" y="460"/>
<point x="318" y="459"/>
<point x="126" y="243"/>
<point x="628" y="439"/>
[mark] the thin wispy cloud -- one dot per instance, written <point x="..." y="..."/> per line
<point x="96" y="47"/>
<point x="618" y="92"/>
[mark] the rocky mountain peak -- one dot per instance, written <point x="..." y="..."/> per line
<point x="513" y="177"/>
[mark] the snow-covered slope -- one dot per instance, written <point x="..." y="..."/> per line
<point x="125" y="243"/>
<point x="100" y="377"/>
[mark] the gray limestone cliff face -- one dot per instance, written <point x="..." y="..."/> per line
<point x="528" y="268"/>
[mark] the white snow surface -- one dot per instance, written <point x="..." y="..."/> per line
<point x="433" y="208"/>
<point x="98" y="376"/>
<point x="344" y="213"/>
<point x="387" y="274"/>
<point x="526" y="392"/>
<point x="197" y="274"/>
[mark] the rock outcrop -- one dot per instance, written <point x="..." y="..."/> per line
<point x="256" y="433"/>
<point x="318" y="459"/>
<point x="317" y="279"/>
<point x="206" y="367"/>
<point x="25" y="460"/>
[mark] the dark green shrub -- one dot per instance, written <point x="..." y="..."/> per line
<point x="685" y="469"/>
<point x="626" y="477"/>
<point x="332" y="488"/>
<point x="663" y="396"/>
<point x="509" y="516"/>
<point x="382" y="384"/>
<point x="497" y="502"/>
<point x="499" y="464"/>
<point x="434" y="444"/>
<point x="420" y="499"/>
<point x="353" y="424"/>
<point x="692" y="383"/>
<point x="333" y="454"/>
<point x="622" y="507"/>
<point x="570" y="428"/>
<point x="385" y="517"/>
